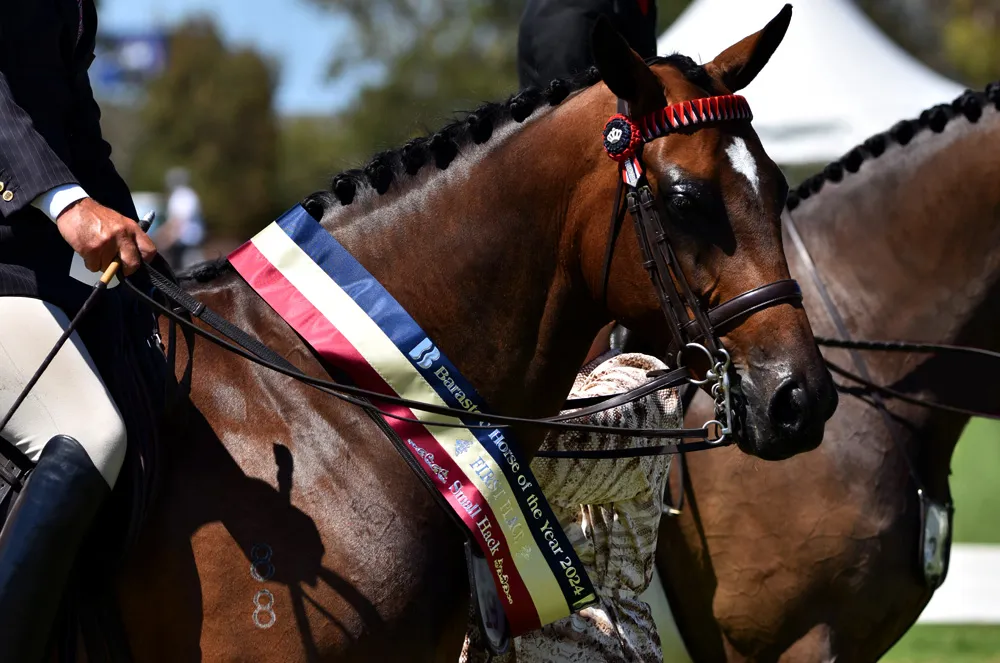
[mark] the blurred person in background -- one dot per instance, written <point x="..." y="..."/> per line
<point x="65" y="216"/>
<point x="553" y="40"/>
<point x="183" y="233"/>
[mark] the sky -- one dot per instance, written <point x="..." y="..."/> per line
<point x="295" y="33"/>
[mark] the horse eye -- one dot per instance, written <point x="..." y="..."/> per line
<point x="682" y="203"/>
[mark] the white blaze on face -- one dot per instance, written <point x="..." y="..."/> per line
<point x="743" y="162"/>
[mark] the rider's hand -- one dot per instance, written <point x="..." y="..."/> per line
<point x="100" y="234"/>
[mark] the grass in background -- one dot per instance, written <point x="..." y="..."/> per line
<point x="941" y="643"/>
<point x="975" y="487"/>
<point x="975" y="483"/>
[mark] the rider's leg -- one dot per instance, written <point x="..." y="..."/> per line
<point x="69" y="399"/>
<point x="70" y="425"/>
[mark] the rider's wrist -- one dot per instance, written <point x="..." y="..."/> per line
<point x="55" y="202"/>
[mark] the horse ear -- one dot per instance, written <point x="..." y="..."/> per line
<point x="739" y="64"/>
<point x="622" y="70"/>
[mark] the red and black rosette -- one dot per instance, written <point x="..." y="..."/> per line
<point x="621" y="138"/>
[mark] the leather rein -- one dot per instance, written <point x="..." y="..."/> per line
<point x="692" y="326"/>
<point x="698" y="330"/>
<point x="862" y="376"/>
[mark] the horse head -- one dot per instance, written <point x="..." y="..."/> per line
<point x="719" y="198"/>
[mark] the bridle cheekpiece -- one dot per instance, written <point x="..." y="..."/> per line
<point x="693" y="326"/>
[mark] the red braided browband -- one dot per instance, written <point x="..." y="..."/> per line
<point x="622" y="134"/>
<point x="696" y="111"/>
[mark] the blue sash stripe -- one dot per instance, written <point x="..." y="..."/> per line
<point x="411" y="340"/>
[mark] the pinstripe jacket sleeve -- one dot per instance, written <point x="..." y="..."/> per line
<point x="50" y="131"/>
<point x="28" y="165"/>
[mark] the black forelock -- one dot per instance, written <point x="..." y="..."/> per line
<point x="692" y="71"/>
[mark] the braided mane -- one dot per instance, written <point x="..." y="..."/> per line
<point x="969" y="105"/>
<point x="475" y="127"/>
<point x="441" y="148"/>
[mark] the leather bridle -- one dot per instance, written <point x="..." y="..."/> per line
<point x="692" y="326"/>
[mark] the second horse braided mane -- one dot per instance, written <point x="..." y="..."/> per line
<point x="969" y="105"/>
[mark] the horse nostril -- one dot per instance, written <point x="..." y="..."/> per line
<point x="789" y="406"/>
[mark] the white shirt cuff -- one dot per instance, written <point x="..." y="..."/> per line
<point x="54" y="201"/>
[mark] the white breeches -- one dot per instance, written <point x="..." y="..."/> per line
<point x="69" y="399"/>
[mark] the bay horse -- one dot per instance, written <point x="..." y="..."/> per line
<point x="816" y="559"/>
<point x="491" y="233"/>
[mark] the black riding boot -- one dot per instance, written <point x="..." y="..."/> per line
<point x="39" y="543"/>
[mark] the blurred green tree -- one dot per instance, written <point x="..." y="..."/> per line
<point x="971" y="40"/>
<point x="960" y="38"/>
<point x="419" y="63"/>
<point x="211" y="112"/>
<point x="667" y="12"/>
<point x="308" y="155"/>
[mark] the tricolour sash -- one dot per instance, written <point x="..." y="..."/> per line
<point x="346" y="316"/>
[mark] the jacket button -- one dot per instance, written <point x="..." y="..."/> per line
<point x="8" y="196"/>
<point x="1" y="186"/>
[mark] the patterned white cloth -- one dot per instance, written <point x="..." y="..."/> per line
<point x="610" y="510"/>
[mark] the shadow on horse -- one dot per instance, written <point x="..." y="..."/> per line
<point x="287" y="529"/>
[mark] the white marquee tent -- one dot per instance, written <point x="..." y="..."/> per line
<point x="834" y="81"/>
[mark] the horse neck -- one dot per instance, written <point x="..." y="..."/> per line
<point x="479" y="255"/>
<point x="910" y="250"/>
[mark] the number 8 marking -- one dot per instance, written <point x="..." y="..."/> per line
<point x="260" y="555"/>
<point x="264" y="608"/>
